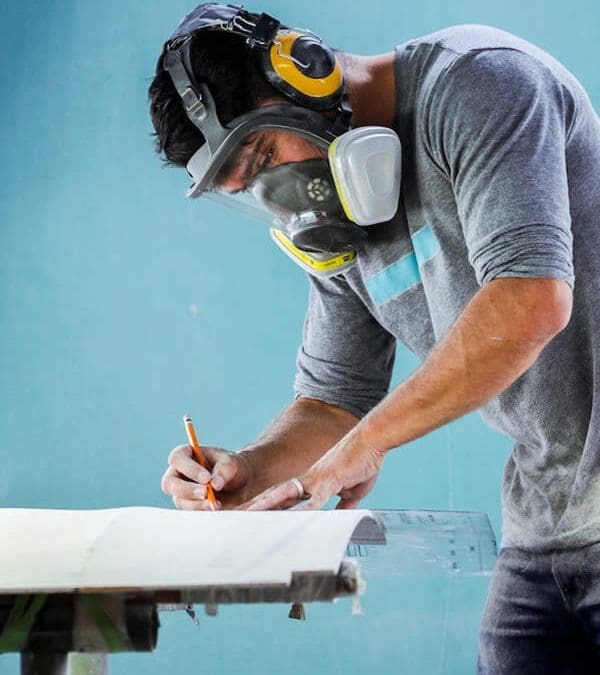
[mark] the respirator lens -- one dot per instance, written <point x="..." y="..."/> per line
<point x="298" y="197"/>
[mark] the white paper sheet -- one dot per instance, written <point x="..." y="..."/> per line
<point x="141" y="548"/>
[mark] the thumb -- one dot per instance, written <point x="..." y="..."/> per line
<point x="226" y="469"/>
<point x="212" y="455"/>
<point x="350" y="498"/>
<point x="347" y="503"/>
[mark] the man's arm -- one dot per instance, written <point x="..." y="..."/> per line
<point x="498" y="122"/>
<point x="495" y="340"/>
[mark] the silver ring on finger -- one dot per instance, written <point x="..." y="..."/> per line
<point x="302" y="494"/>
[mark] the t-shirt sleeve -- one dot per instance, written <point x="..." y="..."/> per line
<point x="346" y="357"/>
<point x="497" y="125"/>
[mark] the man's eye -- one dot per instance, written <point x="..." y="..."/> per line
<point x="267" y="160"/>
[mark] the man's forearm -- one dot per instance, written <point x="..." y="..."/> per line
<point x="301" y="434"/>
<point x="496" y="339"/>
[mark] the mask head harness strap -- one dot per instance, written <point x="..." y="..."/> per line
<point x="197" y="99"/>
<point x="297" y="63"/>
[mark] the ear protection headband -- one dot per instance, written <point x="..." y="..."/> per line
<point x="295" y="62"/>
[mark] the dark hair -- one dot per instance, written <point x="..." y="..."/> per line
<point x="228" y="67"/>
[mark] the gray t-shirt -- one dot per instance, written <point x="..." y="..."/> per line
<point x="501" y="161"/>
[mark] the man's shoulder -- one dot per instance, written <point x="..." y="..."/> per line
<point x="475" y="46"/>
<point x="420" y="62"/>
<point x="465" y="38"/>
<point x="480" y="59"/>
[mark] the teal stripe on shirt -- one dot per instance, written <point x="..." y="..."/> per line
<point x="404" y="273"/>
<point x="425" y="244"/>
<point x="394" y="279"/>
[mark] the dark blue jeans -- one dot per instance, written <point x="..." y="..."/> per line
<point x="542" y="615"/>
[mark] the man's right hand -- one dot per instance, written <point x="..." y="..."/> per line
<point x="185" y="480"/>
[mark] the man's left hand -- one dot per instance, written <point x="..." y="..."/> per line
<point x="347" y="470"/>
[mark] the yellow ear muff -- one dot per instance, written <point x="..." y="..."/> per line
<point x="321" y="92"/>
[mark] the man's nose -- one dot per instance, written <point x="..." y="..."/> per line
<point x="232" y="183"/>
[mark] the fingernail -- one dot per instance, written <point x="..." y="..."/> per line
<point x="200" y="492"/>
<point x="203" y="477"/>
<point x="217" y="482"/>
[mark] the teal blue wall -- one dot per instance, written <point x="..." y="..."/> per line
<point x="123" y="305"/>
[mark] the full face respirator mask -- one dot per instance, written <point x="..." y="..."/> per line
<point x="311" y="178"/>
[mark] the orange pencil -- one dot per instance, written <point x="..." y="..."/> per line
<point x="193" y="439"/>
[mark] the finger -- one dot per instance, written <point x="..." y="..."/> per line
<point x="273" y="498"/>
<point x="352" y="495"/>
<point x="314" y="503"/>
<point x="358" y="492"/>
<point x="173" y="484"/>
<point x="181" y="459"/>
<point x="347" y="503"/>
<point x="195" y="504"/>
<point x="318" y="488"/>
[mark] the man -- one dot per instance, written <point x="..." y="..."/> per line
<point x="473" y="269"/>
